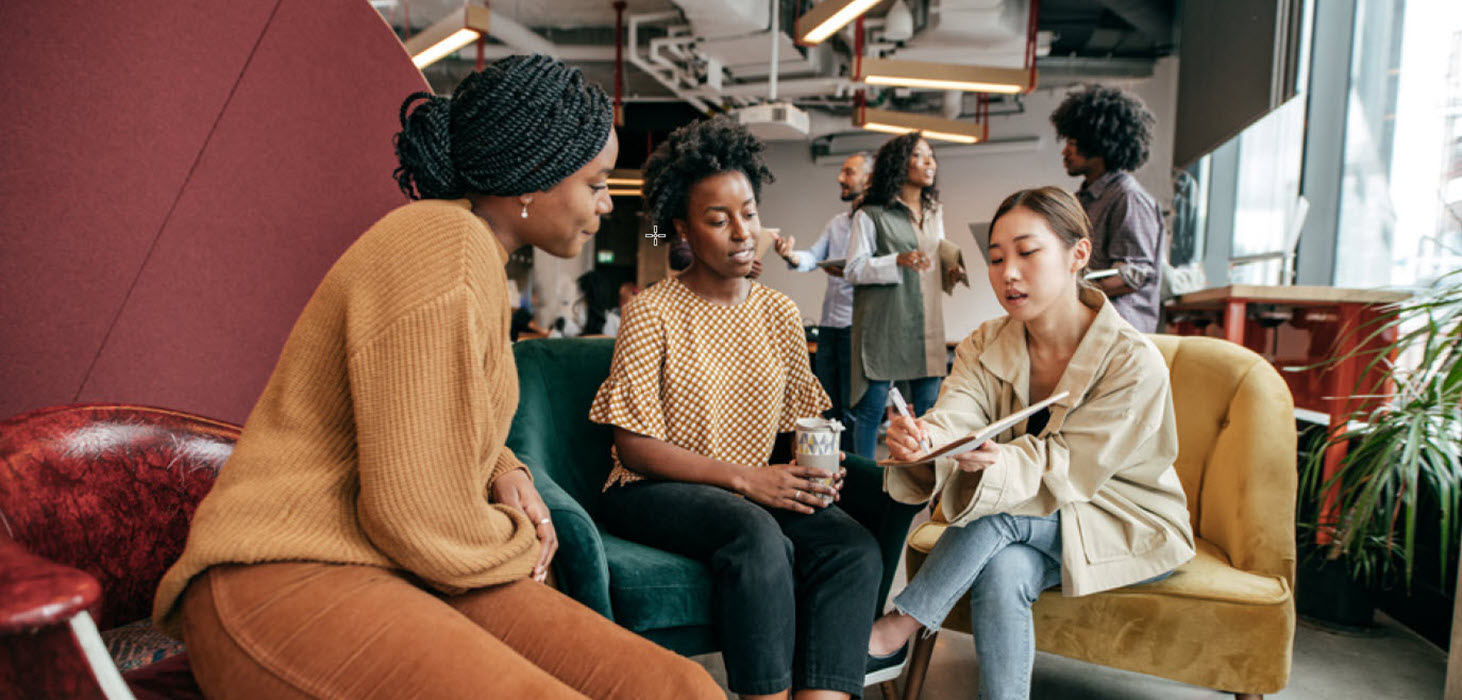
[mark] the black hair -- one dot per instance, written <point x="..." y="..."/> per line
<point x="1106" y="123"/>
<point x="522" y="124"/>
<point x="679" y="255"/>
<point x="891" y="172"/>
<point x="693" y="153"/>
<point x="599" y="295"/>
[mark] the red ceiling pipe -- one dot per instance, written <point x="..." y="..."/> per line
<point x="982" y="115"/>
<point x="859" y="101"/>
<point x="1030" y="44"/>
<point x="619" y="6"/>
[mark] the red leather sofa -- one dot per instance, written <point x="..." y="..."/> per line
<point x="95" y="501"/>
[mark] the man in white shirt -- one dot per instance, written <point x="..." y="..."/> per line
<point x="834" y="333"/>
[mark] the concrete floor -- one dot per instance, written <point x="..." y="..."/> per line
<point x="1389" y="662"/>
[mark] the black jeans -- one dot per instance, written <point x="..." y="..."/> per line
<point x="793" y="594"/>
<point x="831" y="364"/>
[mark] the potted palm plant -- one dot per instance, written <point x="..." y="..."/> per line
<point x="1402" y="460"/>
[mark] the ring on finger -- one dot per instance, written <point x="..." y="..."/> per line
<point x="797" y="494"/>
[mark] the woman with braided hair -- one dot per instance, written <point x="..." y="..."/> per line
<point x="709" y="367"/>
<point x="371" y="533"/>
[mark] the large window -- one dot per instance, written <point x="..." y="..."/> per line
<point x="1400" y="218"/>
<point x="1266" y="197"/>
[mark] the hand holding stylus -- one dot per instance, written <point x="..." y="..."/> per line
<point x="914" y="426"/>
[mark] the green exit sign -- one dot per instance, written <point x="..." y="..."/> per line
<point x="604" y="256"/>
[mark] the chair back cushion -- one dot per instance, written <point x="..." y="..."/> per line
<point x="109" y="489"/>
<point x="1236" y="449"/>
<point x="557" y="381"/>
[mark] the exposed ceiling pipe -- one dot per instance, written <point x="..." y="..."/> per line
<point x="787" y="89"/>
<point x="619" y="6"/>
<point x="953" y="104"/>
<point x="674" y="43"/>
<point x="639" y="62"/>
<point x="775" y="32"/>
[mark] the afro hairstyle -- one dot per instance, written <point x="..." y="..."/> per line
<point x="1107" y="123"/>
<point x="693" y="153"/>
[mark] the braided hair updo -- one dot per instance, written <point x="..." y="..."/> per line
<point x="522" y="124"/>
<point x="693" y="153"/>
<point x="1106" y="123"/>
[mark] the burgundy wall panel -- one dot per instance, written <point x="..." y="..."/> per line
<point x="268" y="184"/>
<point x="106" y="108"/>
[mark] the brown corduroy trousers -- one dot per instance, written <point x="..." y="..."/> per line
<point x="288" y="630"/>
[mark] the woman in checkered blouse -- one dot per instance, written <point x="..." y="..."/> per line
<point x="708" y="369"/>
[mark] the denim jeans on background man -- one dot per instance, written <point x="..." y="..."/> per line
<point x="868" y="413"/>
<point x="1005" y="561"/>
<point x="794" y="594"/>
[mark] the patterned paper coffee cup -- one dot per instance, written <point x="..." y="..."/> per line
<point x="817" y="447"/>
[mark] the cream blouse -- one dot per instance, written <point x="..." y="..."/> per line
<point x="720" y="380"/>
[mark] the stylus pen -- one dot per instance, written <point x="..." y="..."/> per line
<point x="903" y="409"/>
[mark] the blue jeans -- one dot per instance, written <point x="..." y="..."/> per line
<point x="1005" y="561"/>
<point x="793" y="595"/>
<point x="868" y="412"/>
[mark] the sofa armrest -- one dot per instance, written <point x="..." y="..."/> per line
<point x="888" y="520"/>
<point x="580" y="566"/>
<point x="43" y="617"/>
<point x="36" y="593"/>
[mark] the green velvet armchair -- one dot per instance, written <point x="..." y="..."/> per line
<point x="659" y="595"/>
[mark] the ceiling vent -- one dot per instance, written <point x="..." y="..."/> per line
<point x="774" y="121"/>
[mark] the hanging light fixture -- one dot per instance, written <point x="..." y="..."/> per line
<point x="827" y="17"/>
<point x="449" y="34"/>
<point x="896" y="72"/>
<point x="943" y="76"/>
<point x="892" y="122"/>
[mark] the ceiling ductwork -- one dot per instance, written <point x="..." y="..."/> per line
<point x="975" y="32"/>
<point x="717" y="55"/>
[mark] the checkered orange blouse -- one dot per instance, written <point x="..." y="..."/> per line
<point x="717" y="379"/>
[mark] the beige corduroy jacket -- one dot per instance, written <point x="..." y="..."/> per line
<point x="1104" y="459"/>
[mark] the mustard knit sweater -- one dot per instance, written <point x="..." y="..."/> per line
<point x="383" y="426"/>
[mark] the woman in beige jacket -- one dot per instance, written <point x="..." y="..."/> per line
<point x="1083" y="493"/>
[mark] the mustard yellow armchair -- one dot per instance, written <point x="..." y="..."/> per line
<point x="1226" y="619"/>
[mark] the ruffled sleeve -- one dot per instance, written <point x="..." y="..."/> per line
<point x="630" y="396"/>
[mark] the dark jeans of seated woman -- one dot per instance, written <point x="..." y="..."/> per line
<point x="794" y="594"/>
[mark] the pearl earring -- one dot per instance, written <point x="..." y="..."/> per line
<point x="525" y="210"/>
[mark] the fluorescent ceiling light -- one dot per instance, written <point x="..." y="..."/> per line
<point x="827" y="17"/>
<point x="449" y="34"/>
<point x="943" y="76"/>
<point x="933" y="127"/>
